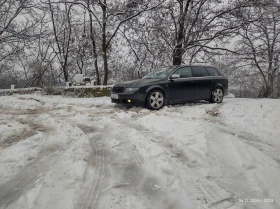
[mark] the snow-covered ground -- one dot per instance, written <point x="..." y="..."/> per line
<point x="64" y="153"/>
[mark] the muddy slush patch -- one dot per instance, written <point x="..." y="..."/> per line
<point x="25" y="134"/>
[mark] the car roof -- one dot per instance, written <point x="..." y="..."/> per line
<point x="185" y="65"/>
<point x="193" y="65"/>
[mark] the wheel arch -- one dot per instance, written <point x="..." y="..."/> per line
<point x="155" y="87"/>
<point x="217" y="85"/>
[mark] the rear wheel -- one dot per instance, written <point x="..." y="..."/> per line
<point x="217" y="95"/>
<point x="155" y="100"/>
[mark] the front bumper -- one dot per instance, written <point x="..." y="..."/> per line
<point x="136" y="99"/>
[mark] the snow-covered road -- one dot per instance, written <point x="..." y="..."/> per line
<point x="64" y="153"/>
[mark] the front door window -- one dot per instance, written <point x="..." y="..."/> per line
<point x="184" y="72"/>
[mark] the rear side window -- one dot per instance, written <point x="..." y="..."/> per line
<point x="212" y="71"/>
<point x="184" y="72"/>
<point x="199" y="71"/>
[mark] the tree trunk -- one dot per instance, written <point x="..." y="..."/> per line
<point x="177" y="55"/>
<point x="270" y="85"/>
<point x="105" y="57"/>
<point x="178" y="51"/>
<point x="66" y="56"/>
<point x="94" y="51"/>
<point x="65" y="73"/>
<point x="104" y="43"/>
<point x="96" y="69"/>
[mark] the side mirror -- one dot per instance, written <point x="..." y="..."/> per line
<point x="175" y="76"/>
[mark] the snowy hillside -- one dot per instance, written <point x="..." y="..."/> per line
<point x="64" y="153"/>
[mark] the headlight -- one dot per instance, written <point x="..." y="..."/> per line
<point x="130" y="90"/>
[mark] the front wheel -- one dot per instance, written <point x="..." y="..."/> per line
<point x="155" y="100"/>
<point x="217" y="95"/>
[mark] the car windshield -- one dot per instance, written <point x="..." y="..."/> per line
<point x="159" y="72"/>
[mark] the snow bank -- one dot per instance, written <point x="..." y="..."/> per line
<point x="230" y="95"/>
<point x="6" y="92"/>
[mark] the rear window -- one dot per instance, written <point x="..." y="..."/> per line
<point x="199" y="71"/>
<point x="212" y="71"/>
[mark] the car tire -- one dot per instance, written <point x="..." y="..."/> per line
<point x="155" y="100"/>
<point x="217" y="95"/>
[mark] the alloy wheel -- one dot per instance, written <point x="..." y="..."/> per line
<point x="156" y="100"/>
<point x="217" y="95"/>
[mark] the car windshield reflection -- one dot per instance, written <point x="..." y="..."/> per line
<point x="159" y="73"/>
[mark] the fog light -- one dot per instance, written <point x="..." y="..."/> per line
<point x="128" y="101"/>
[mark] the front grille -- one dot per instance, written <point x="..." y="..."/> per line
<point x="117" y="89"/>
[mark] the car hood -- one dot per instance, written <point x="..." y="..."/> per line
<point x="138" y="82"/>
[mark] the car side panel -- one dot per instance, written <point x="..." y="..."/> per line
<point x="181" y="90"/>
<point x="203" y="88"/>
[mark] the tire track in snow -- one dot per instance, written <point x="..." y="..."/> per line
<point x="205" y="194"/>
<point x="24" y="180"/>
<point x="269" y="149"/>
<point x="97" y="163"/>
<point x="241" y="144"/>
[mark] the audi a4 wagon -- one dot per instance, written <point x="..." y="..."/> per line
<point x="171" y="85"/>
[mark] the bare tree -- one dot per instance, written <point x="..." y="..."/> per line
<point x="12" y="34"/>
<point x="9" y="10"/>
<point x="110" y="16"/>
<point x="62" y="31"/>
<point x="260" y="42"/>
<point x="93" y="41"/>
